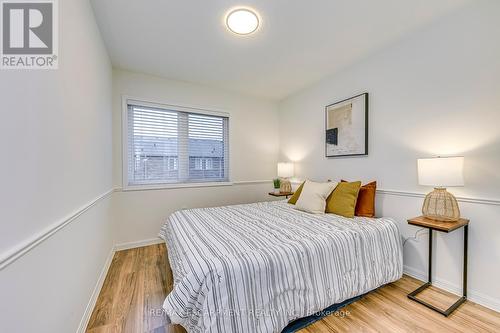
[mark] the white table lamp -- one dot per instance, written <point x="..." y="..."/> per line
<point x="441" y="172"/>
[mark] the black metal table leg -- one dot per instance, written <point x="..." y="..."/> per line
<point x="466" y="244"/>
<point x="429" y="276"/>
<point x="462" y="299"/>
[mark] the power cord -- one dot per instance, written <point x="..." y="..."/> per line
<point x="415" y="237"/>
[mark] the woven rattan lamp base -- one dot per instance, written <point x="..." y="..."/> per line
<point x="441" y="205"/>
<point x="285" y="185"/>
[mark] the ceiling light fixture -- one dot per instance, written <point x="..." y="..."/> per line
<point x="242" y="21"/>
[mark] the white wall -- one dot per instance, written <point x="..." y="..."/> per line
<point x="435" y="92"/>
<point x="253" y="144"/>
<point x="55" y="139"/>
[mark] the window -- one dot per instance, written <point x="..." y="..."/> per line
<point x="208" y="164"/>
<point x="167" y="145"/>
<point x="204" y="163"/>
<point x="197" y="164"/>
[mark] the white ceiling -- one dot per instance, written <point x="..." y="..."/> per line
<point x="299" y="42"/>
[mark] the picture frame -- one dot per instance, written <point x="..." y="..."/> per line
<point x="346" y="127"/>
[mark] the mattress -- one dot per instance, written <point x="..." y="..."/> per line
<point x="256" y="267"/>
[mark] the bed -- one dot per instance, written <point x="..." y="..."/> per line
<point x="257" y="267"/>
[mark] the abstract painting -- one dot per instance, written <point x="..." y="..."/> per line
<point x="347" y="127"/>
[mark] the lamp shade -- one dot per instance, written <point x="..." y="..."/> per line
<point x="441" y="171"/>
<point x="285" y="169"/>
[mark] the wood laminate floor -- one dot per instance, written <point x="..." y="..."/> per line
<point x="139" y="279"/>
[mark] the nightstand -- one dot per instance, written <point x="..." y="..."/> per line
<point x="281" y="194"/>
<point x="441" y="227"/>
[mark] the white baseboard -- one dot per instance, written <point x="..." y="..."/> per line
<point x="97" y="289"/>
<point x="95" y="293"/>
<point x="472" y="295"/>
<point x="132" y="245"/>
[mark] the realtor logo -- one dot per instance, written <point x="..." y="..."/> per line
<point x="29" y="34"/>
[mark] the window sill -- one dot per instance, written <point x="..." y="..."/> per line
<point x="128" y="188"/>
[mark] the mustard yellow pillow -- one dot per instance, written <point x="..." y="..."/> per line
<point x="293" y="199"/>
<point x="365" y="206"/>
<point x="343" y="199"/>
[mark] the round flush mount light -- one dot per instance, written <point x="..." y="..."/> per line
<point x="242" y="21"/>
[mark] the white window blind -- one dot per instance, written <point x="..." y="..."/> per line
<point x="170" y="146"/>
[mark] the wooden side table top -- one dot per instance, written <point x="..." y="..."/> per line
<point x="281" y="194"/>
<point x="425" y="222"/>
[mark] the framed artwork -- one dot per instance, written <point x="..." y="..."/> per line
<point x="347" y="127"/>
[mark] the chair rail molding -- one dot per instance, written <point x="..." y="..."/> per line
<point x="483" y="201"/>
<point x="25" y="246"/>
<point x="402" y="193"/>
<point x="30" y="243"/>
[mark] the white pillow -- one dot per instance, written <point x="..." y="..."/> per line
<point x="313" y="196"/>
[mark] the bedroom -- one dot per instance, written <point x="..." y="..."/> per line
<point x="164" y="119"/>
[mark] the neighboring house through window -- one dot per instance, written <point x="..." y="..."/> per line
<point x="167" y="144"/>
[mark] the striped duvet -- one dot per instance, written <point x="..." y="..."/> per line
<point x="256" y="267"/>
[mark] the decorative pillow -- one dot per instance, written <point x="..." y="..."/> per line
<point x="365" y="206"/>
<point x="342" y="201"/>
<point x="293" y="199"/>
<point x="313" y="196"/>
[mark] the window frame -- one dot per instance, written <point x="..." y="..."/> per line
<point x="126" y="100"/>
